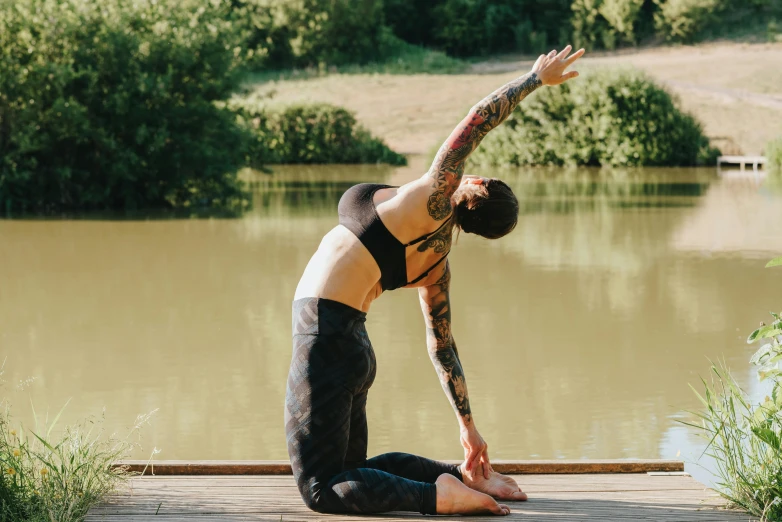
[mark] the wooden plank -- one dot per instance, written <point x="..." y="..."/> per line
<point x="223" y="501"/>
<point x="529" y="483"/>
<point x="590" y="497"/>
<point x="606" y="506"/>
<point x="508" y="467"/>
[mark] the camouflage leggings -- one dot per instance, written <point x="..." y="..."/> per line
<point x="332" y="368"/>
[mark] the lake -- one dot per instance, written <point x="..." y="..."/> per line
<point x="579" y="332"/>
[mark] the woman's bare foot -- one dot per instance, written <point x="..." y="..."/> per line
<point x="497" y="485"/>
<point x="454" y="498"/>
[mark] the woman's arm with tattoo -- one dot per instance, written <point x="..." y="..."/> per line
<point x="441" y="346"/>
<point x="435" y="303"/>
<point x="448" y="166"/>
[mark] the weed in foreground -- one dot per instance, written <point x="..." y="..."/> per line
<point x="58" y="478"/>
<point x="745" y="439"/>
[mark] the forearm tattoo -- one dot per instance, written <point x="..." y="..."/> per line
<point x="448" y="166"/>
<point x="442" y="347"/>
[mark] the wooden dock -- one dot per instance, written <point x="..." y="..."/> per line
<point x="569" y="491"/>
<point x="742" y="161"/>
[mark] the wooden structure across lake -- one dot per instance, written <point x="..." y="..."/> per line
<point x="558" y="490"/>
<point x="742" y="161"/>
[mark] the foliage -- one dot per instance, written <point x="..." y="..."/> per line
<point x="300" y="33"/>
<point x="44" y="478"/>
<point x="744" y="443"/>
<point x="745" y="439"/>
<point x="612" y="117"/>
<point x="403" y="58"/>
<point x="479" y="27"/>
<point x="307" y="134"/>
<point x="774" y="157"/>
<point x="694" y="20"/>
<point x="110" y="104"/>
<point x="607" y="23"/>
<point x="684" y="20"/>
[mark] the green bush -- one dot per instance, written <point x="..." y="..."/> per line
<point x="480" y="27"/>
<point x="608" y="23"/>
<point x="110" y="104"/>
<point x="301" y="33"/>
<point x="774" y="157"/>
<point x="695" y="20"/>
<point x="608" y="117"/>
<point x="307" y="134"/>
<point x="684" y="20"/>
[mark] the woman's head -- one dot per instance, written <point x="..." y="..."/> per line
<point x="485" y="206"/>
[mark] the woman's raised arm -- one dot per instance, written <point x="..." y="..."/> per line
<point x="448" y="166"/>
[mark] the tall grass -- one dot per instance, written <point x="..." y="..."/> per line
<point x="745" y="439"/>
<point x="57" y="477"/>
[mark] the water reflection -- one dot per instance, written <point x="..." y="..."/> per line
<point x="579" y="332"/>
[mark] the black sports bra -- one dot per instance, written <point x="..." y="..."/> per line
<point x="358" y="214"/>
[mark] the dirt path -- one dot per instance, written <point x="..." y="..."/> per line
<point x="735" y="90"/>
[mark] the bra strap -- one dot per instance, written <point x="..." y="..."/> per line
<point x="430" y="234"/>
<point x="414" y="281"/>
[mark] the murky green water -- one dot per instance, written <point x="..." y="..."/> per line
<point x="579" y="332"/>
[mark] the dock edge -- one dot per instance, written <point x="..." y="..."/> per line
<point x="508" y="467"/>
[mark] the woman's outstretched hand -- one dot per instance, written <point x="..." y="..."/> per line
<point x="550" y="67"/>
<point x="476" y="451"/>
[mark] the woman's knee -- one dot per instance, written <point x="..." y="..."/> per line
<point x="321" y="500"/>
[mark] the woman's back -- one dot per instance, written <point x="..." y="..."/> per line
<point x="343" y="269"/>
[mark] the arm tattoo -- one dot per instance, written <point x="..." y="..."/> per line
<point x="442" y="348"/>
<point x="448" y="166"/>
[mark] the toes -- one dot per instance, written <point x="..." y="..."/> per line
<point x="498" y="509"/>
<point x="519" y="495"/>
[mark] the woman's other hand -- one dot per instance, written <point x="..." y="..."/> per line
<point x="550" y="67"/>
<point x="476" y="451"/>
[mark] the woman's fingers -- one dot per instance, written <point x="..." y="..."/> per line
<point x="475" y="460"/>
<point x="486" y="464"/>
<point x="564" y="52"/>
<point x="569" y="76"/>
<point x="470" y="458"/>
<point x="576" y="55"/>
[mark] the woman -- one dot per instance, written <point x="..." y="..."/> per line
<point x="388" y="238"/>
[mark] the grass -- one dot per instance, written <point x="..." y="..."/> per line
<point x="745" y="439"/>
<point x="57" y="478"/>
<point x="407" y="59"/>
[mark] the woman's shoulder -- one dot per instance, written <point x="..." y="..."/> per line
<point x="405" y="210"/>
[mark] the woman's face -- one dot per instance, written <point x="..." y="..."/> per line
<point x="473" y="184"/>
<point x="473" y="180"/>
